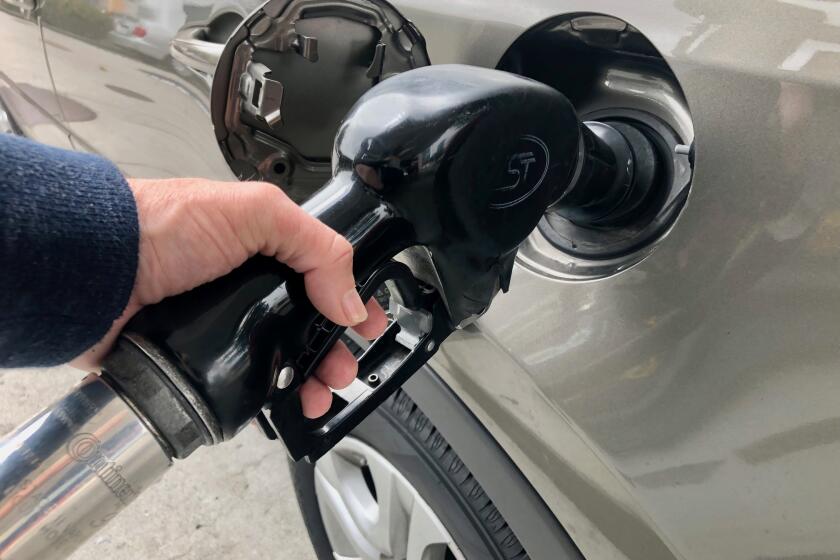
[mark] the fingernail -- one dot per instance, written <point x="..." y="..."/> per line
<point x="353" y="307"/>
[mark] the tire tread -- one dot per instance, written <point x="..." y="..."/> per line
<point x="402" y="408"/>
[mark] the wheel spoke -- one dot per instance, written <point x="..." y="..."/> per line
<point x="396" y="524"/>
<point x="427" y="539"/>
<point x="344" y="532"/>
<point x="390" y="530"/>
<point x="333" y="467"/>
<point x="344" y="517"/>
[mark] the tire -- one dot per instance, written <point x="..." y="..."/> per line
<point x="405" y="437"/>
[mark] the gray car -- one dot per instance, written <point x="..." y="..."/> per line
<point x="664" y="389"/>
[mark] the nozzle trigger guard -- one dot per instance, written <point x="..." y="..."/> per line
<point x="421" y="324"/>
<point x="325" y="333"/>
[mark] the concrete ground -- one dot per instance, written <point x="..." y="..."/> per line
<point x="231" y="501"/>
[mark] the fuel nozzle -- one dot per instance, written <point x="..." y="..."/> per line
<point x="472" y="158"/>
<point x="614" y="178"/>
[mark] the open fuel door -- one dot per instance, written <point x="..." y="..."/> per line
<point x="291" y="72"/>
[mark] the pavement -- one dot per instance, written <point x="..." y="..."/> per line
<point x="233" y="500"/>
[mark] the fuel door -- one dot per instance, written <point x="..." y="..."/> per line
<point x="291" y="72"/>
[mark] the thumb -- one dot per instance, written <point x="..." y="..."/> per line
<point x="324" y="257"/>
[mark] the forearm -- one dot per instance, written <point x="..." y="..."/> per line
<point x="68" y="251"/>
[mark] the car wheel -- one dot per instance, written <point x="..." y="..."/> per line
<point x="396" y="489"/>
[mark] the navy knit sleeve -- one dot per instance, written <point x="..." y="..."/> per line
<point x="68" y="251"/>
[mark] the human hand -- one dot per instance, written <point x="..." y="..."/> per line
<point x="194" y="230"/>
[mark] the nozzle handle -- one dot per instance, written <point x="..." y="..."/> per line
<point x="226" y="341"/>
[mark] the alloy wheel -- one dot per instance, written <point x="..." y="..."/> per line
<point x="371" y="512"/>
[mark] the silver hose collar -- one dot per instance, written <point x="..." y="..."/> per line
<point x="69" y="470"/>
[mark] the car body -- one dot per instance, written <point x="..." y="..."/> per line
<point x="682" y="406"/>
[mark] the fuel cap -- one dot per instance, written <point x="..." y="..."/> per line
<point x="291" y="72"/>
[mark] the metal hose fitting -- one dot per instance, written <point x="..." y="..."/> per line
<point x="69" y="470"/>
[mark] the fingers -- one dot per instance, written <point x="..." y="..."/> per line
<point x="315" y="398"/>
<point x="334" y="296"/>
<point x="338" y="368"/>
<point x="376" y="322"/>
<point x="324" y="258"/>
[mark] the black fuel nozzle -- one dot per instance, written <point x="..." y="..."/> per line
<point x="616" y="174"/>
<point x="447" y="169"/>
<point x="467" y="159"/>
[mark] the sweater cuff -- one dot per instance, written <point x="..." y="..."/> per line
<point x="70" y="239"/>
